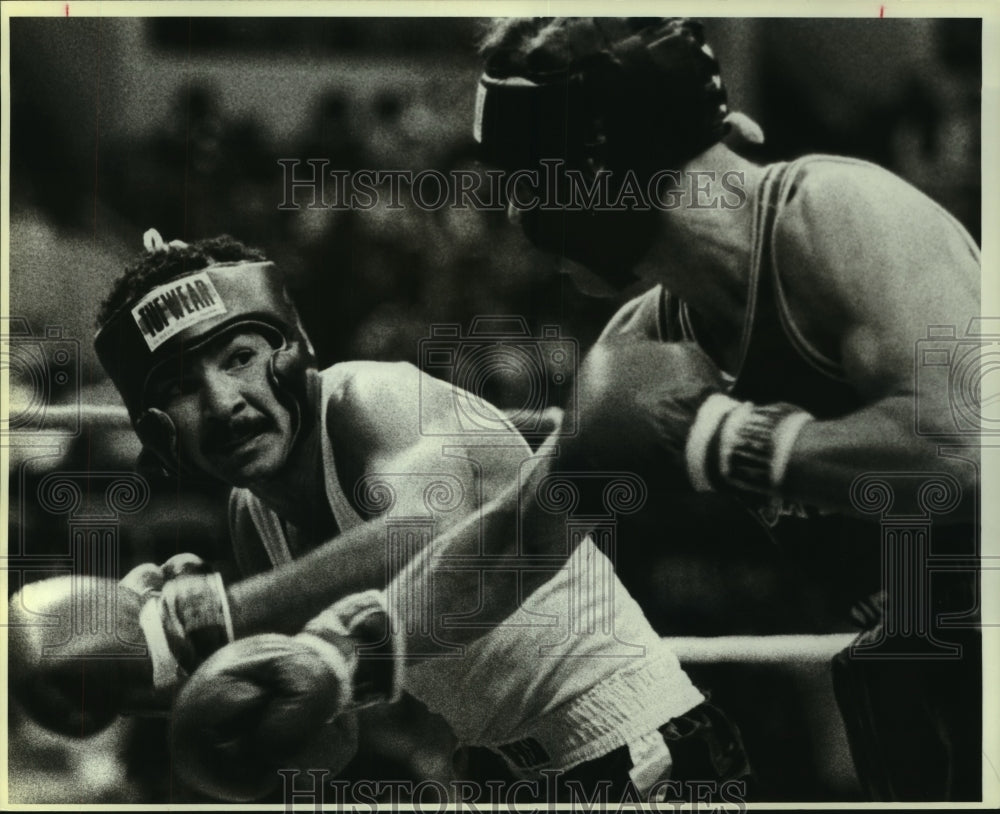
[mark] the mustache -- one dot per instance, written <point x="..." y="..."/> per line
<point x="223" y="434"/>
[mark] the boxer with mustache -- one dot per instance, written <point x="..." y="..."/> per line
<point x="270" y="669"/>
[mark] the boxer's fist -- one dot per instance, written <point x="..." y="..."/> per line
<point x="636" y="401"/>
<point x="260" y="704"/>
<point x="77" y="655"/>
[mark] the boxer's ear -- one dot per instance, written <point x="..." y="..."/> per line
<point x="150" y="465"/>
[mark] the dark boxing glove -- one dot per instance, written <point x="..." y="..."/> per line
<point x="256" y="706"/>
<point x="636" y="401"/>
<point x="659" y="409"/>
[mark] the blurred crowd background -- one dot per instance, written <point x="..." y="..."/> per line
<point x="119" y="125"/>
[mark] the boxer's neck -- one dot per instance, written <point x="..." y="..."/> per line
<point x="702" y="252"/>
<point x="298" y="492"/>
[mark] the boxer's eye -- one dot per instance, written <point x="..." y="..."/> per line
<point x="240" y="358"/>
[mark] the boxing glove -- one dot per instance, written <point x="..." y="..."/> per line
<point x="258" y="705"/>
<point x="80" y="654"/>
<point x="636" y="401"/>
<point x="272" y="702"/>
<point x="77" y="657"/>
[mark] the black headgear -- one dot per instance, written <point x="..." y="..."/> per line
<point x="652" y="100"/>
<point x="658" y="86"/>
<point x="182" y="315"/>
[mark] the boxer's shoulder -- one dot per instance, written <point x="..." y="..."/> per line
<point x="363" y="401"/>
<point x="364" y="385"/>
<point x="847" y="226"/>
<point x="848" y="205"/>
<point x="382" y="404"/>
<point x="821" y="173"/>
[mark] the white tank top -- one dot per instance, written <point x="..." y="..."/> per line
<point x="575" y="672"/>
<point x="269" y="525"/>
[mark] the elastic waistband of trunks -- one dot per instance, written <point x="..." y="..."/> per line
<point x="617" y="711"/>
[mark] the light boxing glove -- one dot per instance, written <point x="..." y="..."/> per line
<point x="83" y="650"/>
<point x="272" y="702"/>
<point x="76" y="653"/>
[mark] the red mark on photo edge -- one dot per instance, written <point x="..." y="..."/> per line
<point x="881" y="11"/>
<point x="67" y="9"/>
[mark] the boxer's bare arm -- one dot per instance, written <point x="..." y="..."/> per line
<point x="511" y="525"/>
<point x="514" y="532"/>
<point x="282" y="600"/>
<point x="873" y="272"/>
<point x="405" y="424"/>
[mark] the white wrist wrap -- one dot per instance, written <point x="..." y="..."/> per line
<point x="195" y="616"/>
<point x="755" y="445"/>
<point x="785" y="435"/>
<point x="706" y="422"/>
<point x="343" y="619"/>
<point x="398" y="652"/>
<point x="728" y="436"/>
<point x="365" y="602"/>
<point x="336" y="664"/>
<point x="166" y="670"/>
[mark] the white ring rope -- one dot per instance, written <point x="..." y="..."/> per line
<point x="69" y="415"/>
<point x="758" y="649"/>
<point x="788" y="649"/>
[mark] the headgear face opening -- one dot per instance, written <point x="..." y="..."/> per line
<point x="185" y="313"/>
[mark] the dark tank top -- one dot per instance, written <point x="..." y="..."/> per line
<point x="779" y="365"/>
<point x="776" y="364"/>
<point x="836" y="556"/>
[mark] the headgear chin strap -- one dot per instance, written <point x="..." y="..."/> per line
<point x="184" y="313"/>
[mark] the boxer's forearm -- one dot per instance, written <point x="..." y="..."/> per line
<point x="284" y="599"/>
<point x="828" y="456"/>
<point x="513" y="536"/>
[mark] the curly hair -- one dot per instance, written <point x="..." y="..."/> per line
<point x="529" y="46"/>
<point x="151" y="269"/>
